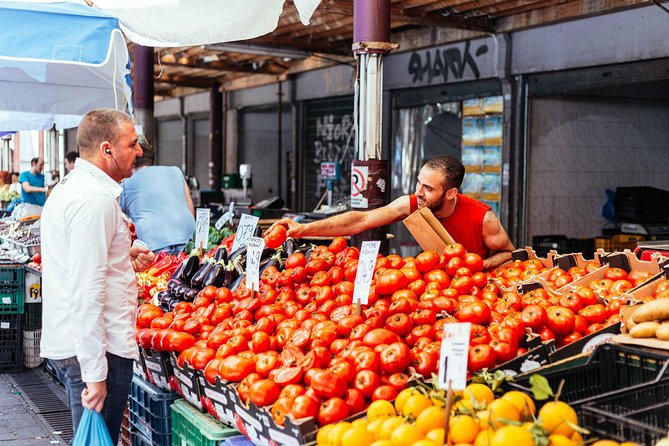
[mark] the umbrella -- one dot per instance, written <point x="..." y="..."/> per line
<point x="58" y="61"/>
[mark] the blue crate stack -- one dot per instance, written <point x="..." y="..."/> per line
<point x="150" y="416"/>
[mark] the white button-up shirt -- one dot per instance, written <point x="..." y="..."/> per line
<point x="88" y="283"/>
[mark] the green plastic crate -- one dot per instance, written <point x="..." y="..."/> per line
<point x="11" y="300"/>
<point x="12" y="276"/>
<point x="190" y="427"/>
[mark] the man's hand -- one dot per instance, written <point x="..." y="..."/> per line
<point x="141" y="258"/>
<point x="93" y="396"/>
<point x="295" y="230"/>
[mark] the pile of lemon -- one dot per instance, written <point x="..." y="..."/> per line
<point x="478" y="419"/>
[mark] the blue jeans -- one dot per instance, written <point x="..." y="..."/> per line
<point x="119" y="376"/>
<point x="172" y="249"/>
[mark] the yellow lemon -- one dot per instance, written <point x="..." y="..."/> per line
<point x="480" y="392"/>
<point x="484" y="437"/>
<point x="559" y="440"/>
<point x="483" y="416"/>
<point x="360" y="422"/>
<point x="374" y="426"/>
<point x="415" y="405"/>
<point x="502" y="410"/>
<point x="523" y="403"/>
<point x="605" y="443"/>
<point x="463" y="429"/>
<point x="425" y="443"/>
<point x="402" y="398"/>
<point x="555" y="418"/>
<point x="387" y="428"/>
<point x="405" y="435"/>
<point x="357" y="436"/>
<point x="431" y="418"/>
<point x="337" y="432"/>
<point x="380" y="409"/>
<point x="512" y="436"/>
<point x="381" y="443"/>
<point x="576" y="438"/>
<point x="323" y="433"/>
<point x="436" y="435"/>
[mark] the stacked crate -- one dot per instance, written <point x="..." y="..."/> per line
<point x="150" y="416"/>
<point x="32" y="318"/>
<point x="11" y="312"/>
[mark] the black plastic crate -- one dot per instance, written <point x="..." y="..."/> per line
<point x="642" y="204"/>
<point x="542" y="244"/>
<point x="639" y="414"/>
<point x="11" y="343"/>
<point x="611" y="367"/>
<point x="32" y="316"/>
<point x="150" y="411"/>
<point x="12" y="276"/>
<point x="582" y="245"/>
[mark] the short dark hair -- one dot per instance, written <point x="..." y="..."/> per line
<point x="72" y="156"/>
<point x="452" y="169"/>
<point x="34" y="161"/>
<point x="97" y="126"/>
<point x="148" y="155"/>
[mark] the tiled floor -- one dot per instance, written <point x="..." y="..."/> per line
<point x="19" y="425"/>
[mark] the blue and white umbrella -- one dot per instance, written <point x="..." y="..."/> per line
<point x="57" y="62"/>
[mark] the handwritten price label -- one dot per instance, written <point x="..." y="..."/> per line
<point x="202" y="227"/>
<point x="253" y="254"/>
<point x="363" y="277"/>
<point x="225" y="217"/>
<point x="454" y="356"/>
<point x="245" y="230"/>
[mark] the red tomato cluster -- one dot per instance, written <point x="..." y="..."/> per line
<point x="512" y="273"/>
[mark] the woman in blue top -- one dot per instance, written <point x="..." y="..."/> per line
<point x="157" y="200"/>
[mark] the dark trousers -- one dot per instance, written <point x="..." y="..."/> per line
<point x="119" y="376"/>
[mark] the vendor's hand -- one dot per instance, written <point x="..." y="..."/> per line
<point x="93" y="396"/>
<point x="141" y="258"/>
<point x="294" y="228"/>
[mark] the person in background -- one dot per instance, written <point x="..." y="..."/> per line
<point x="70" y="158"/>
<point x="89" y="289"/>
<point x="158" y="201"/>
<point x="33" y="190"/>
<point x="470" y="222"/>
<point x="15" y="186"/>
<point x="5" y="179"/>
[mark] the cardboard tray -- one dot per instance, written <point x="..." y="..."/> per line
<point x="187" y="383"/>
<point x="428" y="232"/>
<point x="625" y="338"/>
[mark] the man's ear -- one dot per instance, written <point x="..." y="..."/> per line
<point x="451" y="193"/>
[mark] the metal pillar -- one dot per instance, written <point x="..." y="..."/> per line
<point x="142" y="90"/>
<point x="215" y="138"/>
<point x="371" y="33"/>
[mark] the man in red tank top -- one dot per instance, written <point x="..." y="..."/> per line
<point x="470" y="222"/>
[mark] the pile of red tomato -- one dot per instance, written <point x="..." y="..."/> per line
<point x="300" y="346"/>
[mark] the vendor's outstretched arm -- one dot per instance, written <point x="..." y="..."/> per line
<point x="349" y="223"/>
<point x="496" y="240"/>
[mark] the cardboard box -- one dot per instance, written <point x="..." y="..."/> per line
<point x="428" y="232"/>
<point x="625" y="338"/>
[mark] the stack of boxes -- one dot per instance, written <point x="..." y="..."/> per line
<point x="32" y="319"/>
<point x="11" y="313"/>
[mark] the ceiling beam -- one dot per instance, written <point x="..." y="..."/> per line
<point x="221" y="66"/>
<point x="187" y="81"/>
<point x="334" y="49"/>
<point x="448" y="20"/>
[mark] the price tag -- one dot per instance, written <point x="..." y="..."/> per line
<point x="454" y="355"/>
<point x="225" y="217"/>
<point x="4" y="325"/>
<point x="6" y="300"/>
<point x="363" y="277"/>
<point x="245" y="230"/>
<point x="202" y="227"/>
<point x="253" y="254"/>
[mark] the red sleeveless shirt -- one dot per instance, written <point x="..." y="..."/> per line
<point x="465" y="224"/>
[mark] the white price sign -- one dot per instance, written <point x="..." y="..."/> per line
<point x="245" y="230"/>
<point x="253" y="254"/>
<point x="202" y="228"/>
<point x="363" y="277"/>
<point x="454" y="356"/>
<point x="225" y="217"/>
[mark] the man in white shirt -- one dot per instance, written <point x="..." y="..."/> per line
<point x="89" y="289"/>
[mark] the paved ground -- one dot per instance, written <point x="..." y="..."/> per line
<point x="19" y="425"/>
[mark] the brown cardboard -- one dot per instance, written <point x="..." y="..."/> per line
<point x="428" y="232"/>
<point x="644" y="342"/>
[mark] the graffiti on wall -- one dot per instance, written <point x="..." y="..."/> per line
<point x="440" y="64"/>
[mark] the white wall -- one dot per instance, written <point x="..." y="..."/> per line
<point x="581" y="146"/>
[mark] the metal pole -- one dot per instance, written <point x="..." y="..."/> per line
<point x="215" y="138"/>
<point x="143" y="90"/>
<point x="279" y="145"/>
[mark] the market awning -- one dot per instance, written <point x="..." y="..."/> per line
<point x="162" y="23"/>
<point x="57" y="62"/>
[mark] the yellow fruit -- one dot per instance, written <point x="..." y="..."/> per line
<point x="360" y="422"/>
<point x="380" y="409"/>
<point x="483" y="417"/>
<point x="323" y="433"/>
<point x="605" y="443"/>
<point x="374" y="426"/>
<point x="523" y="403"/>
<point x="512" y="436"/>
<point x="463" y="429"/>
<point x="381" y="443"/>
<point x="337" y="432"/>
<point x="405" y="435"/>
<point x="402" y="398"/>
<point x="555" y="418"/>
<point x="481" y="393"/>
<point x="415" y="405"/>
<point x="436" y="435"/>
<point x="438" y="398"/>
<point x="559" y="440"/>
<point x="357" y="436"/>
<point x="425" y="443"/>
<point x="502" y="410"/>
<point x="387" y="428"/>
<point x="431" y="418"/>
<point x="484" y="437"/>
<point x="629" y="443"/>
<point x="576" y="438"/>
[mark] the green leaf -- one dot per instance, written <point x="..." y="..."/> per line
<point x="577" y="428"/>
<point x="540" y="387"/>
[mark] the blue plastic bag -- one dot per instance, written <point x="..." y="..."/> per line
<point x="92" y="430"/>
